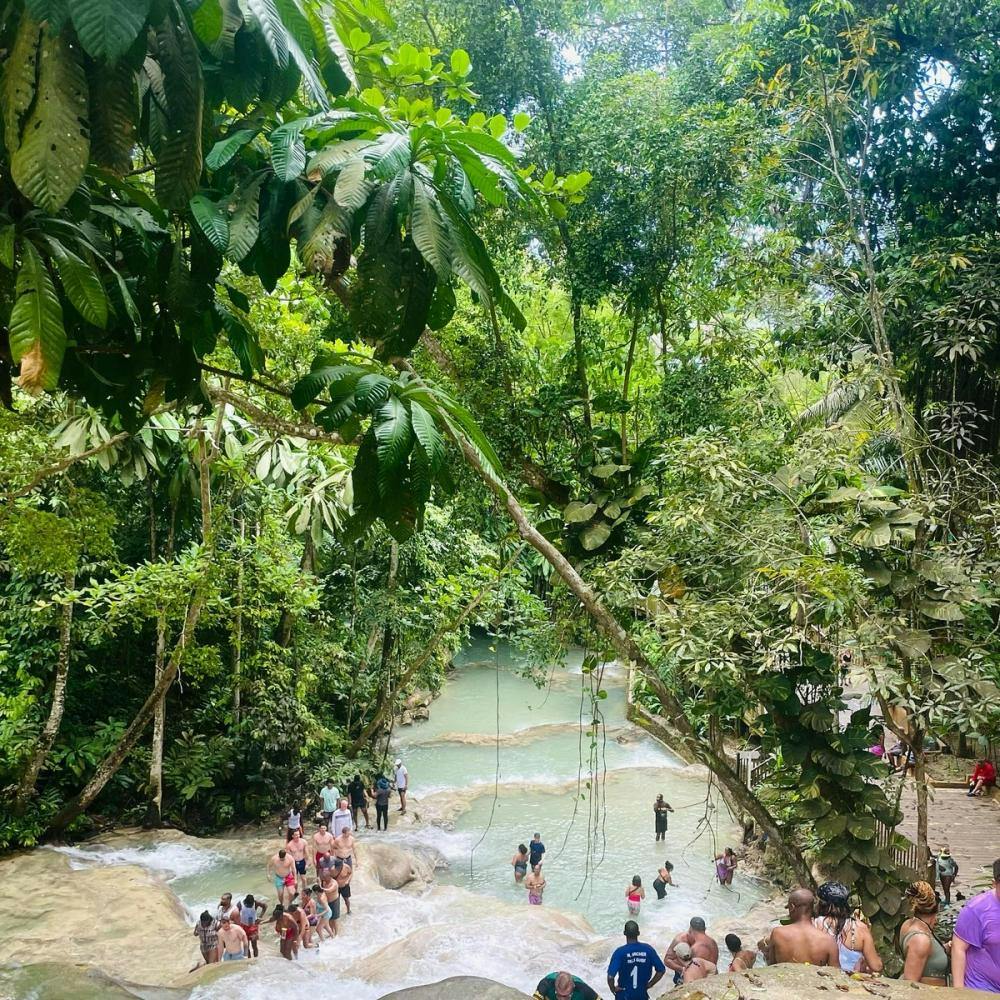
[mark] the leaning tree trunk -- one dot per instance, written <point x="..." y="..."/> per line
<point x="108" y="767"/>
<point x="920" y="783"/>
<point x="26" y="786"/>
<point x="628" y="650"/>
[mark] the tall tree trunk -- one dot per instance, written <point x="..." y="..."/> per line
<point x="625" y="382"/>
<point x="26" y="787"/>
<point x="108" y="767"/>
<point x="628" y="650"/>
<point x="920" y="782"/>
<point x="238" y="629"/>
<point x="579" y="353"/>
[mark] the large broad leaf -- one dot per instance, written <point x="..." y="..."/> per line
<point x="225" y="149"/>
<point x="213" y="220"/>
<point x="301" y="42"/>
<point x="323" y="375"/>
<point x="288" y="151"/>
<point x="394" y="438"/>
<point x="107" y="28"/>
<point x="428" y="230"/>
<point x="876" y="535"/>
<point x="912" y="643"/>
<point x="113" y="111"/>
<point x="861" y="826"/>
<point x="55" y="144"/>
<point x="55" y="13"/>
<point x="578" y="512"/>
<point x="244" y="223"/>
<point x="271" y="27"/>
<point x="352" y="189"/>
<point x="595" y="535"/>
<point x="20" y="73"/>
<point x="37" y="335"/>
<point x="179" y="162"/>
<point x="429" y="437"/>
<point x="942" y="611"/>
<point x="243" y="342"/>
<point x="82" y="285"/>
<point x="371" y="392"/>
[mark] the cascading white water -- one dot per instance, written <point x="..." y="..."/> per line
<point x="473" y="920"/>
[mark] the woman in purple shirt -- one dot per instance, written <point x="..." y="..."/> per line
<point x="975" y="948"/>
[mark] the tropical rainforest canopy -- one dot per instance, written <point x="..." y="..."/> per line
<point x="334" y="330"/>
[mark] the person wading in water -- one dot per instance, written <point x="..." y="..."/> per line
<point x="664" y="877"/>
<point x="520" y="863"/>
<point x="535" y="884"/>
<point x="660" y="811"/>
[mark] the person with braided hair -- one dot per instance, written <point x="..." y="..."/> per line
<point x="855" y="944"/>
<point x="925" y="958"/>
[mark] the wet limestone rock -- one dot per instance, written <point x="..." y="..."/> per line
<point x="805" y="982"/>
<point x="458" y="988"/>
<point x="394" y="867"/>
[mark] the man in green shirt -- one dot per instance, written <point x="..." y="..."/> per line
<point x="329" y="794"/>
<point x="564" y="986"/>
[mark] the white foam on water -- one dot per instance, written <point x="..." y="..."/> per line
<point x="171" y="860"/>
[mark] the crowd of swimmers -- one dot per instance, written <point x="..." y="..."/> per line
<point x="308" y="908"/>
<point x="823" y="930"/>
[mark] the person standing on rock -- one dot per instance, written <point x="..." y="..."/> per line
<point x="855" y="944"/>
<point x="293" y="821"/>
<point x="800" y="941"/>
<point x="282" y="867"/>
<point x="329" y="794"/>
<point x="207" y="933"/>
<point x="232" y="941"/>
<point x="947" y="869"/>
<point x="520" y="863"/>
<point x="402" y="783"/>
<point x="661" y="809"/>
<point x="536" y="850"/>
<point x="296" y="848"/>
<point x="975" y="948"/>
<point x="635" y="967"/>
<point x="564" y="986"/>
<point x="251" y="913"/>
<point x="341" y="818"/>
<point x="380" y="794"/>
<point x="359" y="803"/>
<point x="535" y="884"/>
<point x="344" y="872"/>
<point x="322" y="841"/>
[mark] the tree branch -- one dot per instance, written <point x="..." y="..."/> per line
<point x="65" y="463"/>
<point x="270" y="422"/>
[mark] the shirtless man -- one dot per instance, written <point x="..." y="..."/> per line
<point x="296" y="848"/>
<point x="328" y="884"/>
<point x="692" y="967"/>
<point x="343" y="846"/>
<point x="232" y="941"/>
<point x="743" y="958"/>
<point x="701" y="945"/>
<point x="344" y="872"/>
<point x="282" y="867"/>
<point x="287" y="928"/>
<point x="800" y="941"/>
<point x="322" y="844"/>
<point x="535" y="884"/>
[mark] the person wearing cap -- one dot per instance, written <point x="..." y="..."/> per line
<point x="855" y="944"/>
<point x="800" y="941"/>
<point x="635" y="967"/>
<point x="232" y="941"/>
<point x="402" y="783"/>
<point x="701" y="945"/>
<point x="947" y="870"/>
<point x="564" y="986"/>
<point x="692" y="967"/>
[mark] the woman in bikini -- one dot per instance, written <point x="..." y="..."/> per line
<point x="634" y="895"/>
<point x="323" y="913"/>
<point x="309" y="909"/>
<point x="855" y="944"/>
<point x="520" y="863"/>
<point x="925" y="958"/>
<point x="664" y="877"/>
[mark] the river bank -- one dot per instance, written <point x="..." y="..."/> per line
<point x="498" y="759"/>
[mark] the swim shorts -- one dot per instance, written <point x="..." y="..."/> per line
<point x="300" y="866"/>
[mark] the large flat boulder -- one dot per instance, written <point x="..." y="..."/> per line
<point x="458" y="988"/>
<point x="806" y="982"/>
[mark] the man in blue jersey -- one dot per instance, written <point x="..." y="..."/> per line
<point x="635" y="967"/>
